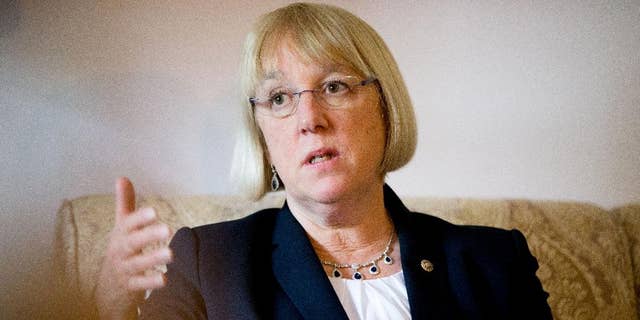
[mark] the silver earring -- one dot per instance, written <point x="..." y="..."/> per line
<point x="275" y="183"/>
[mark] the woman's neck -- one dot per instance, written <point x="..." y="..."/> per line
<point x="352" y="230"/>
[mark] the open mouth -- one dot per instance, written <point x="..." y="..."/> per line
<point x="320" y="156"/>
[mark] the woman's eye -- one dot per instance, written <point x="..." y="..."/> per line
<point x="279" y="99"/>
<point x="335" y="87"/>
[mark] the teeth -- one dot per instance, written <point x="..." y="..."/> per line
<point x="317" y="159"/>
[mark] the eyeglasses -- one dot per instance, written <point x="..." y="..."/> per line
<point x="333" y="94"/>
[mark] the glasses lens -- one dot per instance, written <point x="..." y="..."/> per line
<point x="338" y="93"/>
<point x="281" y="103"/>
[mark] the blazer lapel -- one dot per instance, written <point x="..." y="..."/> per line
<point x="299" y="272"/>
<point x="429" y="292"/>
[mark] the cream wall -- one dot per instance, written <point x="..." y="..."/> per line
<point x="535" y="99"/>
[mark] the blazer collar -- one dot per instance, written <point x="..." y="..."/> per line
<point x="299" y="271"/>
<point x="428" y="291"/>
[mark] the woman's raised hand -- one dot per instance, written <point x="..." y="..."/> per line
<point x="126" y="270"/>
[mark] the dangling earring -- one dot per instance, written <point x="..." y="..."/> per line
<point x="275" y="183"/>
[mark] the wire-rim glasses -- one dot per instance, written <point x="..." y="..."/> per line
<point x="332" y="94"/>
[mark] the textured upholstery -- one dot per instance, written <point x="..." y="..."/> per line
<point x="629" y="218"/>
<point x="589" y="257"/>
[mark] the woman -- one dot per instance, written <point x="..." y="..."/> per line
<point x="327" y="117"/>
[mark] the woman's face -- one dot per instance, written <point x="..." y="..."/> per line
<point x="322" y="154"/>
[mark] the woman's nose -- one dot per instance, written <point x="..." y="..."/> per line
<point x="311" y="115"/>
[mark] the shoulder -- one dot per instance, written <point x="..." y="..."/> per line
<point x="221" y="235"/>
<point x="260" y="219"/>
<point x="470" y="240"/>
<point x="420" y="229"/>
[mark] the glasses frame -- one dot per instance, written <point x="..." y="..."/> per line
<point x="253" y="101"/>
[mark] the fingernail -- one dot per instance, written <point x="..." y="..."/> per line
<point x="149" y="213"/>
<point x="165" y="231"/>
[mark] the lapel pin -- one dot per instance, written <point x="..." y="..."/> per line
<point x="426" y="265"/>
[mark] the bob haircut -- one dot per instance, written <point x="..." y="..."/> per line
<point x="323" y="34"/>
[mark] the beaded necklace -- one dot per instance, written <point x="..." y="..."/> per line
<point x="372" y="265"/>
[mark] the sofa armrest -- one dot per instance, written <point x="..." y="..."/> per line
<point x="72" y="302"/>
<point x="629" y="218"/>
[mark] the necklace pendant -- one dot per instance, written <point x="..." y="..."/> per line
<point x="372" y="266"/>
<point x="387" y="259"/>
<point x="374" y="269"/>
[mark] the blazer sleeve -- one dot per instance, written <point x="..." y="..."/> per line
<point x="530" y="299"/>
<point x="180" y="298"/>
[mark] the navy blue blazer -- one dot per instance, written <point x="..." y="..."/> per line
<point x="263" y="267"/>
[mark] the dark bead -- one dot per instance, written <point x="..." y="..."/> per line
<point x="357" y="276"/>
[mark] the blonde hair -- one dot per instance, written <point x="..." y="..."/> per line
<point x="320" y="33"/>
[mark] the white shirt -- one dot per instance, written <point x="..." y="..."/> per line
<point x="381" y="298"/>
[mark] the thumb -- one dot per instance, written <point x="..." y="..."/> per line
<point x="125" y="198"/>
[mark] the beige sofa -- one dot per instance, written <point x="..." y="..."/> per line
<point x="589" y="257"/>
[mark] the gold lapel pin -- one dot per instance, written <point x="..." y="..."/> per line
<point x="426" y="265"/>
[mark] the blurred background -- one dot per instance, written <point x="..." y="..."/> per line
<point x="514" y="99"/>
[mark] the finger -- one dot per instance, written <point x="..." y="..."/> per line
<point x="146" y="236"/>
<point x="152" y="280"/>
<point x="139" y="219"/>
<point x="140" y="263"/>
<point x="125" y="198"/>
